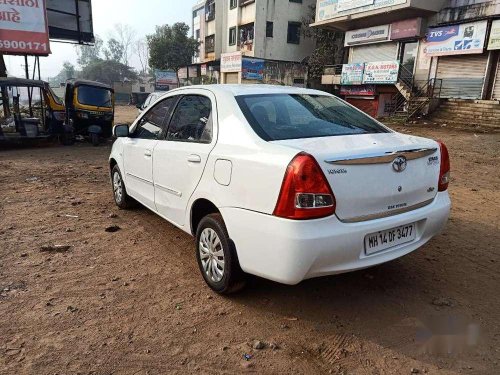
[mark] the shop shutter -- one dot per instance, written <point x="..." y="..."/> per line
<point x="462" y="76"/>
<point x="373" y="52"/>
<point x="368" y="106"/>
<point x="232" y="78"/>
<point x="496" y="86"/>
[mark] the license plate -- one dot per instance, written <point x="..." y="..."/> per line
<point x="375" y="242"/>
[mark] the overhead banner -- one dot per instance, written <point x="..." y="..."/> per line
<point x="494" y="41"/>
<point x="23" y="27"/>
<point x="253" y="69"/>
<point x="381" y="72"/>
<point x="368" y="35"/>
<point x="456" y="40"/>
<point x="327" y="9"/>
<point x="352" y="74"/>
<point x="230" y="62"/>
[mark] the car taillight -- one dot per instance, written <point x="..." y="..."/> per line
<point x="305" y="192"/>
<point x="444" y="171"/>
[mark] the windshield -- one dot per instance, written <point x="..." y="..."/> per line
<point x="94" y="96"/>
<point x="289" y="116"/>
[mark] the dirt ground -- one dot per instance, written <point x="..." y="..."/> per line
<point x="133" y="301"/>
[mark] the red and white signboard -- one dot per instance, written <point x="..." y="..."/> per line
<point x="230" y="62"/>
<point x="23" y="27"/>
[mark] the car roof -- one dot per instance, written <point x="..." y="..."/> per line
<point x="249" y="89"/>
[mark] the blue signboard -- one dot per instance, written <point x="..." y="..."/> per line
<point x="252" y="69"/>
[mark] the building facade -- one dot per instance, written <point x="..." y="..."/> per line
<point x="404" y="53"/>
<point x="263" y="32"/>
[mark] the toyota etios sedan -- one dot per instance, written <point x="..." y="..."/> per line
<point x="280" y="182"/>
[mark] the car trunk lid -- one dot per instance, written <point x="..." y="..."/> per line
<point x="375" y="175"/>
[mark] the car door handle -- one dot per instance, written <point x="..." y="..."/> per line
<point x="147" y="153"/>
<point x="193" y="158"/>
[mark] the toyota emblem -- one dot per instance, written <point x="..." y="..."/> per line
<point x="399" y="164"/>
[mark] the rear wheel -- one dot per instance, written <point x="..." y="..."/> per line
<point x="122" y="199"/>
<point x="94" y="139"/>
<point x="217" y="257"/>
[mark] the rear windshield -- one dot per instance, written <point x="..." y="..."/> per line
<point x="290" y="116"/>
<point x="95" y="96"/>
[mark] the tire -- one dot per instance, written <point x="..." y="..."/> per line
<point x="229" y="277"/>
<point x="122" y="199"/>
<point x="94" y="139"/>
<point x="68" y="139"/>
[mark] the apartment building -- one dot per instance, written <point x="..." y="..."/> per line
<point x="265" y="33"/>
<point x="404" y="53"/>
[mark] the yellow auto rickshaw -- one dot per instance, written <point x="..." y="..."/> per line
<point x="89" y="110"/>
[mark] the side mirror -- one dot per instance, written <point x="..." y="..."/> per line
<point x="138" y="106"/>
<point x="121" y="130"/>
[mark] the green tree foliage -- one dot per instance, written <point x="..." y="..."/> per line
<point x="329" y="46"/>
<point x="108" y="71"/>
<point x="170" y="47"/>
<point x="89" y="53"/>
<point x="68" y="71"/>
<point x="114" y="50"/>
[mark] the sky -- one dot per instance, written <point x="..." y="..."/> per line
<point x="141" y="15"/>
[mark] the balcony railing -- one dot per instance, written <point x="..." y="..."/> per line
<point x="334" y="70"/>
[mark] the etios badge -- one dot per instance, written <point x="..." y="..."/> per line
<point x="399" y="164"/>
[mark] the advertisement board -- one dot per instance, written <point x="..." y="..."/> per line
<point x="230" y="62"/>
<point x="381" y="72"/>
<point x="193" y="71"/>
<point x="411" y="28"/>
<point x="363" y="90"/>
<point x="327" y="9"/>
<point x="494" y="41"/>
<point x="164" y="78"/>
<point x="182" y="73"/>
<point x="253" y="69"/>
<point x="70" y="20"/>
<point x="457" y="39"/>
<point x="368" y="35"/>
<point x="351" y="4"/>
<point x="23" y="27"/>
<point x="352" y="74"/>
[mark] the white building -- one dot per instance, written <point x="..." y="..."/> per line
<point x="261" y="29"/>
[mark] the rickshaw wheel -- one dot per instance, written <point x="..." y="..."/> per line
<point x="94" y="139"/>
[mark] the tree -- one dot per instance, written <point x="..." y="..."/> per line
<point x="89" y="53"/>
<point x="68" y="71"/>
<point x="108" y="71"/>
<point x="114" y="51"/>
<point x="329" y="46"/>
<point x="141" y="49"/>
<point x="124" y="35"/>
<point x="171" y="48"/>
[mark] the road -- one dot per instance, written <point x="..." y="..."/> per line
<point x="133" y="302"/>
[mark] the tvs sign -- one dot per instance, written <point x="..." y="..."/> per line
<point x="369" y="35"/>
<point x="23" y="27"/>
<point x="456" y="40"/>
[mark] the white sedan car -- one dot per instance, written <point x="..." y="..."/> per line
<point x="280" y="182"/>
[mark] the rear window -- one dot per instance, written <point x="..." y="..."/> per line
<point x="95" y="96"/>
<point x="290" y="116"/>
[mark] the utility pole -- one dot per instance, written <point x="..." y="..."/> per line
<point x="5" y="96"/>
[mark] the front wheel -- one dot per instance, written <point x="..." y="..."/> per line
<point x="216" y="256"/>
<point x="122" y="199"/>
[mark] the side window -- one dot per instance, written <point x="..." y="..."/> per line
<point x="151" y="124"/>
<point x="192" y="120"/>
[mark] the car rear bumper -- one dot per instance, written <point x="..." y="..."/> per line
<point x="289" y="251"/>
